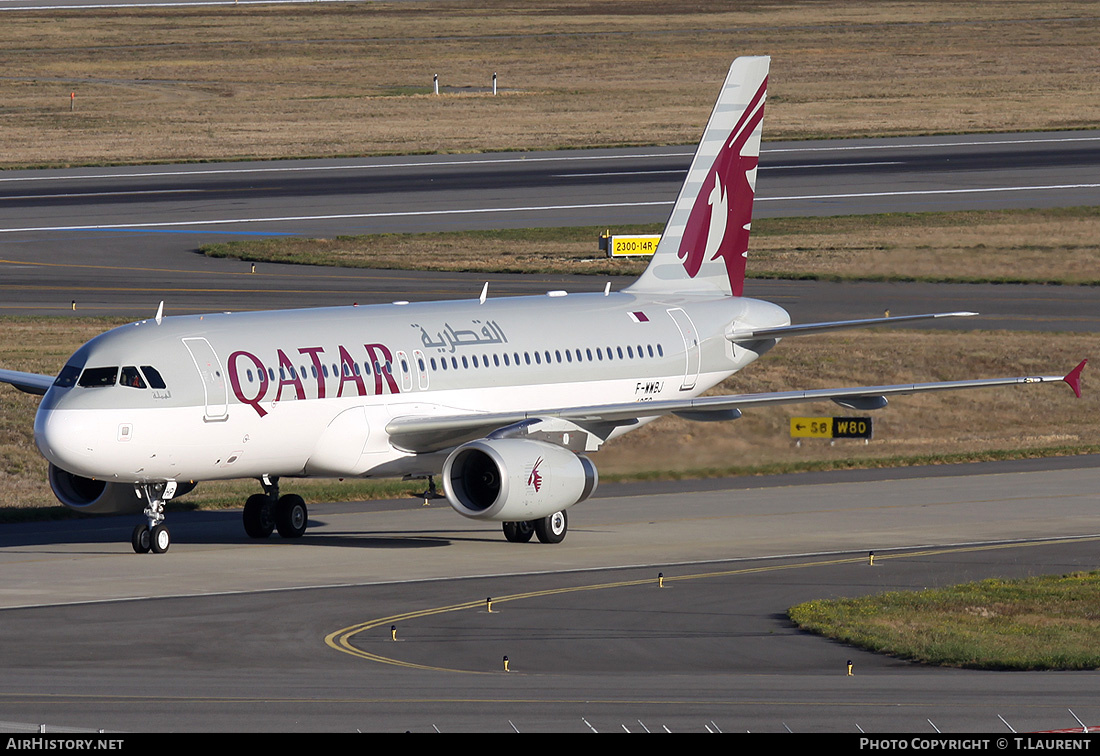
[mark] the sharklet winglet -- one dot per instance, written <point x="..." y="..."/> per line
<point x="1073" y="378"/>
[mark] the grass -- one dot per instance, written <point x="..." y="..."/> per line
<point x="1039" y="623"/>
<point x="222" y="83"/>
<point x="1051" y="246"/>
<point x="925" y="429"/>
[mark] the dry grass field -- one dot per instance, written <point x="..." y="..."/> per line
<point x="1019" y="246"/>
<point x="973" y="424"/>
<point x="306" y="80"/>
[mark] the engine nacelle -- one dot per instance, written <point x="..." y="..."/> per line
<point x="98" y="496"/>
<point x="516" y="480"/>
<point x="93" y="496"/>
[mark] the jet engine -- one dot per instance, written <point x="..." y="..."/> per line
<point x="98" y="496"/>
<point x="516" y="480"/>
<point x="93" y="496"/>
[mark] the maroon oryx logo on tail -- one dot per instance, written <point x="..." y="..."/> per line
<point x="718" y="225"/>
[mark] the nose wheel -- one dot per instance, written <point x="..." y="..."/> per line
<point x="153" y="536"/>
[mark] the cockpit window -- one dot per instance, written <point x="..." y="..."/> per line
<point x="131" y="377"/>
<point x="153" y="376"/>
<point x="67" y="377"/>
<point x="100" y="376"/>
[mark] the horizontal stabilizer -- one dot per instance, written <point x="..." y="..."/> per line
<point x="776" y="332"/>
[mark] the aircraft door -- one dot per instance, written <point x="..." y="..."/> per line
<point x="691" y="347"/>
<point x="213" y="378"/>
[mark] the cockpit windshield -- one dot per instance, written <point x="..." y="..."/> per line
<point x="99" y="377"/>
<point x="131" y="377"/>
<point x="67" y="377"/>
<point x="153" y="376"/>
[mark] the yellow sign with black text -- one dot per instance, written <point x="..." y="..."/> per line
<point x="831" y="427"/>
<point x="630" y="245"/>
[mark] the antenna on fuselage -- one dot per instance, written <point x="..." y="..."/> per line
<point x="484" y="293"/>
<point x="160" y="312"/>
<point x="607" y="289"/>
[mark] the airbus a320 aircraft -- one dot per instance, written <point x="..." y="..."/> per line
<point x="501" y="397"/>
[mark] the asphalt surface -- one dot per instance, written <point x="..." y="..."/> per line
<point x="225" y="634"/>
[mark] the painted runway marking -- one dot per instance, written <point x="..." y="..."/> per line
<point x="527" y="209"/>
<point x="532" y="208"/>
<point x="339" y="216"/>
<point x="342" y="640"/>
<point x="920" y="192"/>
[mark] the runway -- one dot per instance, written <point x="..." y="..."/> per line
<point x="226" y="634"/>
<point x="117" y="241"/>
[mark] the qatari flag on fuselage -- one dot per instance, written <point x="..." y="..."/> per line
<point x="718" y="225"/>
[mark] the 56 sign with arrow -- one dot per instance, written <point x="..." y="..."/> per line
<point x="831" y="427"/>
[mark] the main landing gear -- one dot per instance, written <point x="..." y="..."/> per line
<point x="153" y="536"/>
<point x="269" y="511"/>
<point x="550" y="529"/>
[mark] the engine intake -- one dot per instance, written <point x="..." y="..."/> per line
<point x="516" y="480"/>
<point x="93" y="496"/>
<point x="98" y="496"/>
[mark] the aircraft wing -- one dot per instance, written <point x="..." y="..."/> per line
<point x="435" y="433"/>
<point x="32" y="383"/>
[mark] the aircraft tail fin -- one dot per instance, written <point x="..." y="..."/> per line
<point x="705" y="241"/>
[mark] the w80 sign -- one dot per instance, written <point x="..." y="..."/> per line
<point x="831" y="427"/>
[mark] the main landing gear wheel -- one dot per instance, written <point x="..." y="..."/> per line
<point x="291" y="516"/>
<point x="518" y="532"/>
<point x="160" y="538"/>
<point x="552" y="529"/>
<point x="259" y="519"/>
<point x="141" y="539"/>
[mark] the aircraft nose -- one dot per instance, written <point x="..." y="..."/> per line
<point x="64" y="438"/>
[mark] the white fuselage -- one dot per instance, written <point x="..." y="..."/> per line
<point x="310" y="392"/>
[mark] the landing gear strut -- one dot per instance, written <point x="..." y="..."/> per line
<point x="269" y="511"/>
<point x="431" y="493"/>
<point x="153" y="536"/>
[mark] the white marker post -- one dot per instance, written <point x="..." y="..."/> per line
<point x="494" y="84"/>
<point x="435" y="83"/>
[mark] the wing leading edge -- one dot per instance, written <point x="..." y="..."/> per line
<point x="427" y="433"/>
<point x="31" y="383"/>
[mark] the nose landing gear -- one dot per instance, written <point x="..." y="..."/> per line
<point x="153" y="536"/>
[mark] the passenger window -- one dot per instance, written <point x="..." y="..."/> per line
<point x="101" y="376"/>
<point x="131" y="377"/>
